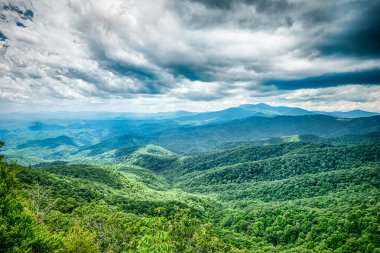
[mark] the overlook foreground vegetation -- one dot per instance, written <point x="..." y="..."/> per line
<point x="127" y="193"/>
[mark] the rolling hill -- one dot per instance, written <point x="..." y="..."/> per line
<point x="93" y="143"/>
<point x="50" y="143"/>
<point x="215" y="182"/>
<point x="289" y="197"/>
<point x="204" y="137"/>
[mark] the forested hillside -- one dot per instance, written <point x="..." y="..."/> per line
<point x="200" y="138"/>
<point x="288" y="197"/>
<point x="306" y="183"/>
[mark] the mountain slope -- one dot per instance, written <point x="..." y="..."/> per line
<point x="304" y="159"/>
<point x="218" y="116"/>
<point x="49" y="143"/>
<point x="151" y="157"/>
<point x="197" y="138"/>
<point x="275" y="110"/>
<point x="116" y="143"/>
<point x="350" y="114"/>
<point x="291" y="197"/>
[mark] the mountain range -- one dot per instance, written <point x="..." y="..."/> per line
<point x="264" y="110"/>
<point x="104" y="140"/>
<point x="252" y="178"/>
<point x="187" y="117"/>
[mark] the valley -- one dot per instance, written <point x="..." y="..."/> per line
<point x="306" y="183"/>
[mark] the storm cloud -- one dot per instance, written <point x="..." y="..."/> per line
<point x="332" y="79"/>
<point x="191" y="54"/>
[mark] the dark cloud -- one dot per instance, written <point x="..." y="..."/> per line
<point x="257" y="14"/>
<point x="2" y="37"/>
<point x="123" y="69"/>
<point x="261" y="5"/>
<point x="84" y="76"/>
<point x="193" y="73"/>
<point x="147" y="80"/>
<point x="367" y="77"/>
<point x="20" y="24"/>
<point x="200" y="96"/>
<point x="14" y="8"/>
<point x="359" y="36"/>
<point x="28" y="14"/>
<point x="151" y="81"/>
<point x="244" y="14"/>
<point x="222" y="4"/>
<point x="23" y="13"/>
<point x="343" y="28"/>
<point x="105" y="89"/>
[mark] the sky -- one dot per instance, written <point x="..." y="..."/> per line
<point x="197" y="55"/>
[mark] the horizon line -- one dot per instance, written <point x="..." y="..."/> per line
<point x="180" y="110"/>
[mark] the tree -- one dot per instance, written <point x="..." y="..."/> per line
<point x="79" y="240"/>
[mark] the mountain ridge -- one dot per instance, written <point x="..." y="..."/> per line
<point x="265" y="110"/>
<point x="258" y="109"/>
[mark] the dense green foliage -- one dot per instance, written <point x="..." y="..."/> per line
<point x="89" y="208"/>
<point x="308" y="159"/>
<point x="19" y="232"/>
<point x="289" y="197"/>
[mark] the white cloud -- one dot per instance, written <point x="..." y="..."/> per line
<point x="107" y="54"/>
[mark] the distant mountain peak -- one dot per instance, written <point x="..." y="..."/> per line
<point x="255" y="105"/>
